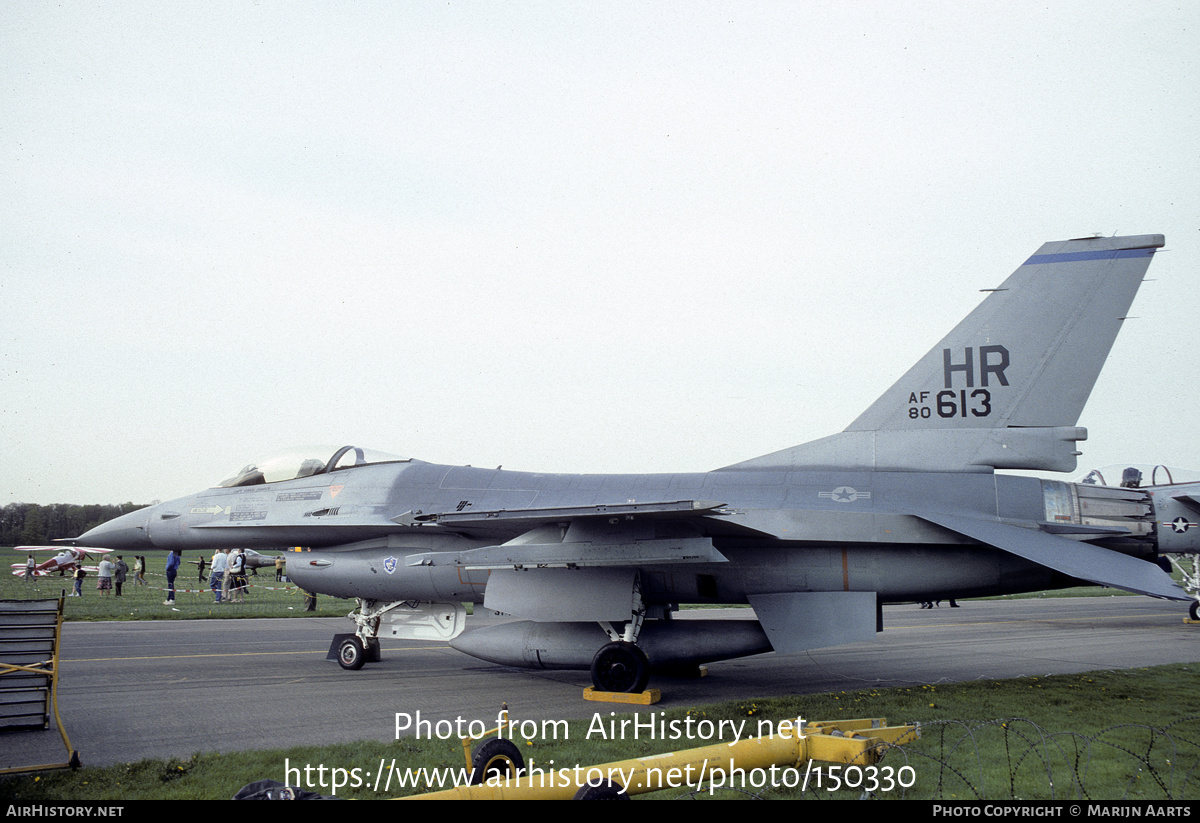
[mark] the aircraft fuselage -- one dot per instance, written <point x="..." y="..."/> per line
<point x="778" y="530"/>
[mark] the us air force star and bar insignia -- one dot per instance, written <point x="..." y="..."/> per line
<point x="845" y="494"/>
<point x="389" y="565"/>
<point x="1179" y="525"/>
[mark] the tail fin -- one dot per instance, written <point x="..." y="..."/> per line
<point x="1005" y="388"/>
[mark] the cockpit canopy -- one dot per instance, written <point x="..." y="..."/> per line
<point x="305" y="462"/>
<point x="1136" y="475"/>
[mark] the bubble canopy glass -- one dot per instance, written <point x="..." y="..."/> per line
<point x="305" y="461"/>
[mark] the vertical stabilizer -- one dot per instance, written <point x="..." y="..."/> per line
<point x="1005" y="388"/>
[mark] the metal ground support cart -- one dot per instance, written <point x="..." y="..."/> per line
<point x="29" y="643"/>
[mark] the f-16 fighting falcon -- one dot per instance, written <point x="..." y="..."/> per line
<point x="904" y="505"/>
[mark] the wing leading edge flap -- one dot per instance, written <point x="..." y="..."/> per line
<point x="1080" y="560"/>
<point x="529" y="518"/>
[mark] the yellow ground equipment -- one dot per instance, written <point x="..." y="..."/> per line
<point x="860" y="742"/>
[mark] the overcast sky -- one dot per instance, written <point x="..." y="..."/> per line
<point x="558" y="236"/>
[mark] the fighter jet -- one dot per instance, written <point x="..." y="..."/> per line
<point x="906" y="504"/>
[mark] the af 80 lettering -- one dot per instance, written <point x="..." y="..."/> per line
<point x="987" y="366"/>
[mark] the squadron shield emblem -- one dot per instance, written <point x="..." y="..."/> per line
<point x="389" y="565"/>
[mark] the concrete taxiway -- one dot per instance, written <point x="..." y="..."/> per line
<point x="161" y="689"/>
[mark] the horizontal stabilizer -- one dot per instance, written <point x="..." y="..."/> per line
<point x="1189" y="500"/>
<point x="1083" y="561"/>
<point x="1177" y="510"/>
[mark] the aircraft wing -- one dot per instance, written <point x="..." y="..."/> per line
<point x="1083" y="561"/>
<point x="626" y="534"/>
<point x="470" y="521"/>
<point x="57" y="549"/>
<point x="577" y="554"/>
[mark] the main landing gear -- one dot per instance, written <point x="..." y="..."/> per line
<point x="620" y="666"/>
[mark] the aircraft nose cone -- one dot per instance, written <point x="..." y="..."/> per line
<point x="129" y="531"/>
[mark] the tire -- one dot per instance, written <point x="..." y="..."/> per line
<point x="496" y="758"/>
<point x="608" y="790"/>
<point x="620" y="667"/>
<point x="351" y="654"/>
<point x="1194" y="610"/>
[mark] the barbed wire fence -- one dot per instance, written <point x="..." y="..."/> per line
<point x="1018" y="759"/>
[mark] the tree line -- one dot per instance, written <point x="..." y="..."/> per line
<point x="26" y="524"/>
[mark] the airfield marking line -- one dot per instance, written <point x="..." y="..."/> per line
<point x="1025" y="621"/>
<point x="220" y="654"/>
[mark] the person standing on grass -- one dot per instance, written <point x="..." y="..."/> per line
<point x="119" y="574"/>
<point x="104" y="580"/>
<point x="216" y="575"/>
<point x="237" y="576"/>
<point x="173" y="562"/>
<point x="227" y="578"/>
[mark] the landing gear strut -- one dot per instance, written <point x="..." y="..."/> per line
<point x="1191" y="577"/>
<point x="620" y="666"/>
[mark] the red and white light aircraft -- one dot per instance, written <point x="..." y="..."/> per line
<point x="64" y="562"/>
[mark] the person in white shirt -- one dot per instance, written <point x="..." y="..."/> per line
<point x="216" y="575"/>
<point x="104" y="584"/>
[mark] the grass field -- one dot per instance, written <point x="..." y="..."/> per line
<point x="193" y="599"/>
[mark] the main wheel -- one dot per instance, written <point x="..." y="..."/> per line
<point x="1194" y="610"/>
<point x="620" y="667"/>
<point x="351" y="654"/>
<point x="496" y="758"/>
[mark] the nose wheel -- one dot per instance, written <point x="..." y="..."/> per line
<point x="351" y="652"/>
<point x="351" y="655"/>
<point x="620" y="667"/>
